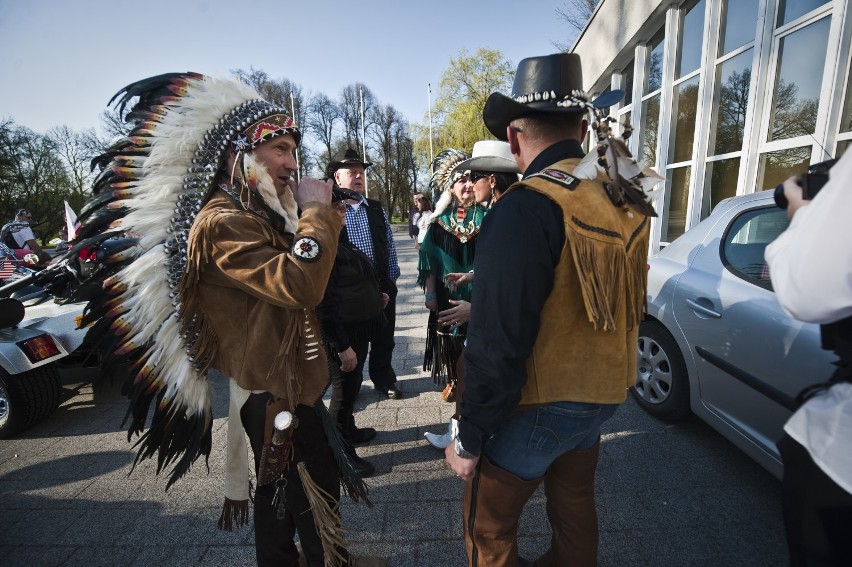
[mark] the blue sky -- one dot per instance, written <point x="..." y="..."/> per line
<point x="64" y="59"/>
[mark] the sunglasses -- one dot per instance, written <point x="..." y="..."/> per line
<point x="476" y="176"/>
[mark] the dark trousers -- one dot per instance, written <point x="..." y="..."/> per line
<point x="381" y="349"/>
<point x="345" y="387"/>
<point x="817" y="512"/>
<point x="273" y="537"/>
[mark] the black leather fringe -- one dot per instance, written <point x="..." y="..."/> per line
<point x="350" y="481"/>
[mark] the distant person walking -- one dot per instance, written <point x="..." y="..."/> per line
<point x="424" y="216"/>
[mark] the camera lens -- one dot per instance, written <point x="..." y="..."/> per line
<point x="780" y="198"/>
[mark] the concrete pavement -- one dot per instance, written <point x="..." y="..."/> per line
<point x="667" y="494"/>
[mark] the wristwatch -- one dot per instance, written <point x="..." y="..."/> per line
<point x="461" y="452"/>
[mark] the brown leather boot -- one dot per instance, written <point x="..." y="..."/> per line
<point x="570" y="490"/>
<point x="493" y="502"/>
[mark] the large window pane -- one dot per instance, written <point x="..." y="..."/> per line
<point x="721" y="183"/>
<point x="776" y="167"/>
<point x="691" y="38"/>
<point x="730" y="101"/>
<point x="684" y="106"/>
<point x="627" y="84"/>
<point x="842" y="146"/>
<point x="651" y="112"/>
<point x="801" y="60"/>
<point x="677" y="198"/>
<point x="846" y="117"/>
<point x="789" y="10"/>
<point x="624" y="123"/>
<point x="655" y="64"/>
<point x="739" y="24"/>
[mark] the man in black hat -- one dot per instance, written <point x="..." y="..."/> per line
<point x="551" y="344"/>
<point x="368" y="228"/>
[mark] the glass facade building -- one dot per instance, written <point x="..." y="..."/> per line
<point x="725" y="97"/>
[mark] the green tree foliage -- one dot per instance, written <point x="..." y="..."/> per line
<point x="32" y="175"/>
<point x="464" y="88"/>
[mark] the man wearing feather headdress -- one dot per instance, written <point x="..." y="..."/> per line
<point x="551" y="343"/>
<point x="233" y="256"/>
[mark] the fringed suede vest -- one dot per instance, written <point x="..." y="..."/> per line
<point x="586" y="346"/>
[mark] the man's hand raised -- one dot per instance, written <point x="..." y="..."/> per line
<point x="310" y="190"/>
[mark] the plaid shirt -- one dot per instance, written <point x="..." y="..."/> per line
<point x="359" y="235"/>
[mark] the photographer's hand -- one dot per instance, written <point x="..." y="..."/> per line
<point x="793" y="193"/>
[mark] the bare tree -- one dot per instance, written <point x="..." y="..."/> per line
<point x="113" y="124"/>
<point x="322" y="117"/>
<point x="389" y="136"/>
<point x="350" y="112"/>
<point x="76" y="150"/>
<point x="576" y="14"/>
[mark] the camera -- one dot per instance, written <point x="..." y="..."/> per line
<point x="811" y="182"/>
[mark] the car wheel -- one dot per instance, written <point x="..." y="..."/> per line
<point x="27" y="398"/>
<point x="662" y="382"/>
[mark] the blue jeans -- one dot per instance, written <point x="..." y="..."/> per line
<point x="531" y="440"/>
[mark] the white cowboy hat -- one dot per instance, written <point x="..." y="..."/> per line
<point x="492" y="156"/>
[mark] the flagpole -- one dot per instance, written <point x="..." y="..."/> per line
<point x="431" y="154"/>
<point x="363" y="141"/>
<point x="293" y="112"/>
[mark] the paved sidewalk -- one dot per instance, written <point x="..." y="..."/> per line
<point x="667" y="494"/>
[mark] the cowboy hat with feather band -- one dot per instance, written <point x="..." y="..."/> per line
<point x="492" y="156"/>
<point x="544" y="84"/>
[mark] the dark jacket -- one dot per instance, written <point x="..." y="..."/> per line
<point x="351" y="308"/>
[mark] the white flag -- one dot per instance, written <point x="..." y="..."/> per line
<point x="71" y="222"/>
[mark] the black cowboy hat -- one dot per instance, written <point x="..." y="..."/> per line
<point x="545" y="84"/>
<point x="343" y="158"/>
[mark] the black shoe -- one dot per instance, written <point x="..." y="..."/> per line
<point x="362" y="435"/>
<point x="363" y="467"/>
<point x="392" y="392"/>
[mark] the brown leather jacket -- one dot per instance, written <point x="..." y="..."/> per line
<point x="258" y="298"/>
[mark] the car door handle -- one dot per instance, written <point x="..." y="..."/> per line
<point x="703" y="309"/>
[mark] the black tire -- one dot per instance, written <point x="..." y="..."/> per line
<point x="662" y="381"/>
<point x="27" y="398"/>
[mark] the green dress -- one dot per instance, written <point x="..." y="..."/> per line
<point x="449" y="246"/>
